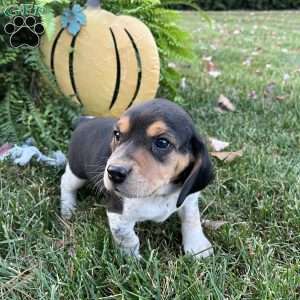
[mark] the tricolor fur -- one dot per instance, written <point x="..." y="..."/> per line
<point x="152" y="160"/>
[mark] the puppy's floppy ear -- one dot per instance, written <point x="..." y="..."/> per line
<point x="201" y="173"/>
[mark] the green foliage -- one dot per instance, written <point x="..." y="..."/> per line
<point x="30" y="104"/>
<point x="32" y="108"/>
<point x="48" y="21"/>
<point x="248" y="4"/>
<point x="51" y="8"/>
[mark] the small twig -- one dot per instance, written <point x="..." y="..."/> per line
<point x="7" y="284"/>
<point x="206" y="208"/>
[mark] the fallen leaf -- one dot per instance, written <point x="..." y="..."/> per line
<point x="247" y="62"/>
<point x="281" y="98"/>
<point x="211" y="68"/>
<point x="219" y="110"/>
<point x="286" y="77"/>
<point x="227" y="156"/>
<point x="207" y="58"/>
<point x="214" y="74"/>
<point x="224" y="104"/>
<point x="58" y="244"/>
<point x="213" y="225"/>
<point x="252" y="95"/>
<point x="236" y="32"/>
<point x="216" y="144"/>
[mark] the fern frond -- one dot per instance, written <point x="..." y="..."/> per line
<point x="11" y="109"/>
<point x="48" y="21"/>
<point x="34" y="60"/>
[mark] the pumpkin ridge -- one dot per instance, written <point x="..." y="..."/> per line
<point x="139" y="63"/>
<point x="53" y="50"/>
<point x="118" y="79"/>
<point x="71" y="67"/>
<point x="114" y="54"/>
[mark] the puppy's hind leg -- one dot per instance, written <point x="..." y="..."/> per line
<point x="69" y="185"/>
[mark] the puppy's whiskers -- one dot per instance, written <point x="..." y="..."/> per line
<point x="96" y="182"/>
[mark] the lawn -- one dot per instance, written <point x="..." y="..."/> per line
<point x="257" y="253"/>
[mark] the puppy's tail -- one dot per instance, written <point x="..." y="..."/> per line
<point x="82" y="119"/>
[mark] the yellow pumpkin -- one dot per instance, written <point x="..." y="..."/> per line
<point x="110" y="64"/>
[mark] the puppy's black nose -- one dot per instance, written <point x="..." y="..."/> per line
<point x="117" y="174"/>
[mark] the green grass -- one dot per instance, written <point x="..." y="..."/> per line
<point x="257" y="254"/>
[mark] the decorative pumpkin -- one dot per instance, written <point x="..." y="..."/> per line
<point x="111" y="63"/>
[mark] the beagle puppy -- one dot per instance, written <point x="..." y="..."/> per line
<point x="152" y="161"/>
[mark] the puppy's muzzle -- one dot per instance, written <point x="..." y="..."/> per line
<point x="117" y="174"/>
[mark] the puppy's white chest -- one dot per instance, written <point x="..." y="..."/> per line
<point x="156" y="209"/>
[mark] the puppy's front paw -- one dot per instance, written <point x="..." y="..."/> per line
<point x="200" y="248"/>
<point x="131" y="251"/>
<point x="67" y="212"/>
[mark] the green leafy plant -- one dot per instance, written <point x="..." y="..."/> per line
<point x="30" y="101"/>
<point x="50" y="9"/>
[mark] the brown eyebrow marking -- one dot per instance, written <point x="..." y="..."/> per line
<point x="124" y="124"/>
<point x="157" y="128"/>
<point x="153" y="170"/>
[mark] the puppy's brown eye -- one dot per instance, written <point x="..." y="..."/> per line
<point x="117" y="135"/>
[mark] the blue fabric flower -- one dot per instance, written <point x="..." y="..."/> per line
<point x="73" y="19"/>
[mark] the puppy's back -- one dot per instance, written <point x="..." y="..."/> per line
<point x="89" y="147"/>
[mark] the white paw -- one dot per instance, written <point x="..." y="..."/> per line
<point x="67" y="212"/>
<point x="131" y="251"/>
<point x="199" y="249"/>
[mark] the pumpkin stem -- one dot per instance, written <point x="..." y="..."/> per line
<point x="93" y="3"/>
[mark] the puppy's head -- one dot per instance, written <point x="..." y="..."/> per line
<point x="155" y="149"/>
